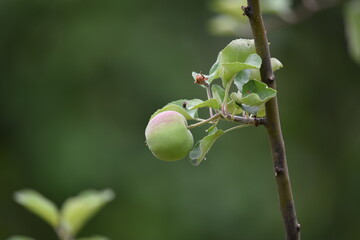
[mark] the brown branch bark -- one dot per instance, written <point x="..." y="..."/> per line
<point x="272" y="124"/>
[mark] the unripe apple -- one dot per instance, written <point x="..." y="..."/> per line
<point x="167" y="136"/>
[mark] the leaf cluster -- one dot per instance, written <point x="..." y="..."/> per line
<point x="241" y="94"/>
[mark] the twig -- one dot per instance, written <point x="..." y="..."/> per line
<point x="218" y="115"/>
<point x="255" y="121"/>
<point x="224" y="107"/>
<point x="287" y="206"/>
<point x="236" y="127"/>
<point x="247" y="120"/>
<point x="209" y="96"/>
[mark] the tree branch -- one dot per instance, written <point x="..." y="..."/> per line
<point x="246" y="120"/>
<point x="272" y="124"/>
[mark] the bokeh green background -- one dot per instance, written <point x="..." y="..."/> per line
<point x="79" y="80"/>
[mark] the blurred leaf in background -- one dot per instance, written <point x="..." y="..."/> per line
<point x="19" y="238"/>
<point x="75" y="213"/>
<point x="39" y="205"/>
<point x="352" y="21"/>
<point x="231" y="21"/>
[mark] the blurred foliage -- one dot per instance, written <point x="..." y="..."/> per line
<point x="19" y="238"/>
<point x="231" y="21"/>
<point x="79" y="80"/>
<point x="352" y="18"/>
<point x="74" y="214"/>
<point x="39" y="205"/>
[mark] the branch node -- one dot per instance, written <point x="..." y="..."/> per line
<point x="298" y="227"/>
<point x="259" y="121"/>
<point x="247" y="11"/>
<point x="271" y="78"/>
<point x="278" y="171"/>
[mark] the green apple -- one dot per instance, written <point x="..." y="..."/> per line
<point x="167" y="136"/>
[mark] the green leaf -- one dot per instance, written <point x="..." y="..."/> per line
<point x="203" y="146"/>
<point x="94" y="238"/>
<point x="234" y="108"/>
<point x="241" y="78"/>
<point x="179" y="102"/>
<point x="213" y="103"/>
<point x="218" y="92"/>
<point x="236" y="96"/>
<point x="228" y="70"/>
<point x="194" y="74"/>
<point x="213" y="74"/>
<point x="275" y="65"/>
<point x="39" y="205"/>
<point x="256" y="93"/>
<point x="235" y="57"/>
<point x="176" y="108"/>
<point x="192" y="112"/>
<point x="352" y="21"/>
<point x="238" y="50"/>
<point x="20" y="238"/>
<point x="261" y="112"/>
<point x="211" y="128"/>
<point x="77" y="210"/>
<point x="183" y="103"/>
<point x="193" y="102"/>
<point x="250" y="109"/>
